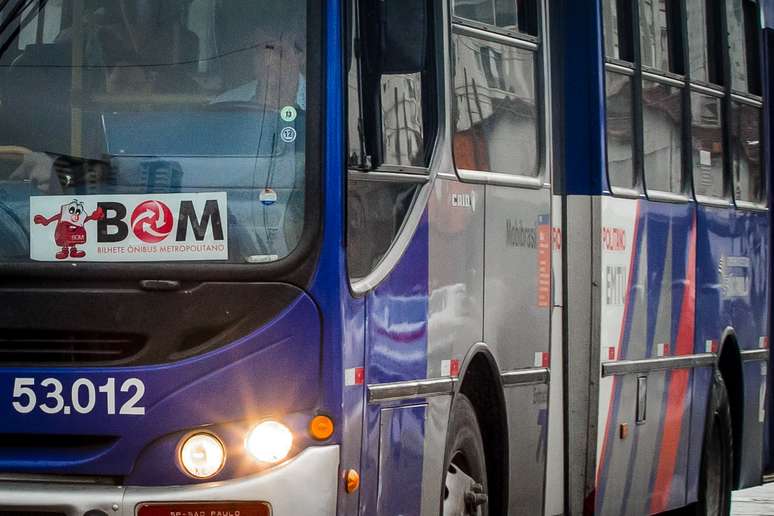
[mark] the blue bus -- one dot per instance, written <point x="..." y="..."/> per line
<point x="383" y="257"/>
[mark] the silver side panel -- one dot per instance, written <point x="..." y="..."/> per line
<point x="517" y="307"/>
<point x="456" y="270"/>
<point x="554" y="503"/>
<point x="306" y="484"/>
<point x="581" y="338"/>
<point x="436" y="422"/>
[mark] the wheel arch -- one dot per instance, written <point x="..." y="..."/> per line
<point x="730" y="367"/>
<point x="480" y="382"/>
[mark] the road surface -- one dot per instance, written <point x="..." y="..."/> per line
<point x="758" y="501"/>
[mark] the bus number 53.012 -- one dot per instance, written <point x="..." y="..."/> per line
<point x="82" y="396"/>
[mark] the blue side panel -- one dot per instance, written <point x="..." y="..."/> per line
<point x="732" y="265"/>
<point x="702" y="380"/>
<point x="396" y="350"/>
<point x="397" y="317"/>
<point x="401" y="440"/>
<point x="343" y="328"/>
<point x="580" y="29"/>
<point x="733" y="292"/>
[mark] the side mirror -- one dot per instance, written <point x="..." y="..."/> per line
<point x="399" y="35"/>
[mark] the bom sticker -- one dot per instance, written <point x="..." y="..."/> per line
<point x="129" y="228"/>
<point x="70" y="229"/>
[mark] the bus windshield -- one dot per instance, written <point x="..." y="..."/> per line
<point x="152" y="130"/>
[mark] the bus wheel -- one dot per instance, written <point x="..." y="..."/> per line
<point x="464" y="487"/>
<point x="717" y="455"/>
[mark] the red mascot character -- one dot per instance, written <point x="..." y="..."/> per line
<point x="69" y="228"/>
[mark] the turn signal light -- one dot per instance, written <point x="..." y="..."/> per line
<point x="321" y="427"/>
<point x="351" y="480"/>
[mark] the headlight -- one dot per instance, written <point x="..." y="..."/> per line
<point x="270" y="441"/>
<point x="202" y="455"/>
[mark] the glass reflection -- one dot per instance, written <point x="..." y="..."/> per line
<point x="707" y="139"/>
<point x="402" y="123"/>
<point x="496" y="125"/>
<point x="746" y="152"/>
<point x="620" y="131"/>
<point x="736" y="45"/>
<point x="654" y="34"/>
<point x="698" y="50"/>
<point x="662" y="107"/>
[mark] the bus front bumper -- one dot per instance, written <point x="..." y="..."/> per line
<point x="307" y="484"/>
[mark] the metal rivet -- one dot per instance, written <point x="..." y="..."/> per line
<point x="115" y="506"/>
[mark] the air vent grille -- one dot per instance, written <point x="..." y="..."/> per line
<point x="50" y="347"/>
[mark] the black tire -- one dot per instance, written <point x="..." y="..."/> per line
<point x="464" y="455"/>
<point x="717" y="457"/>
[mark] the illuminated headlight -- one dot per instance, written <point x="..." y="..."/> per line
<point x="269" y="442"/>
<point x="202" y="455"/>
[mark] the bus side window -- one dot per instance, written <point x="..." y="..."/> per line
<point x="662" y="132"/>
<point x="662" y="103"/>
<point x="745" y="116"/>
<point x="749" y="183"/>
<point x="496" y="116"/>
<point x="645" y="96"/>
<point x="661" y="35"/>
<point x="620" y="130"/>
<point x="742" y="20"/>
<point x="619" y="94"/>
<point x="705" y="41"/>
<point x="497" y="107"/>
<point x="707" y="140"/>
<point x="403" y="124"/>
<point x="518" y="16"/>
<point x="619" y="44"/>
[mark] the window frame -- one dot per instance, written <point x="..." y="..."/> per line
<point x="296" y="267"/>
<point x="725" y="92"/>
<point x="639" y="73"/>
<point x="422" y="177"/>
<point x="745" y="97"/>
<point x="523" y="41"/>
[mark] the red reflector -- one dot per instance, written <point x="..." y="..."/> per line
<point x="204" y="509"/>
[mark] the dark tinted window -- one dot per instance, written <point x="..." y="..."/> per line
<point x="745" y="122"/>
<point x="375" y="213"/>
<point x="737" y="45"/>
<point x="752" y="33"/>
<point x="476" y="10"/>
<point x="620" y="131"/>
<point x="660" y="35"/>
<point x="496" y="115"/>
<point x="698" y="49"/>
<point x="743" y="48"/>
<point x="707" y="141"/>
<point x="619" y="30"/>
<point x="515" y="15"/>
<point x="662" y="108"/>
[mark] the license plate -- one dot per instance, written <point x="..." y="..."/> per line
<point x="205" y="509"/>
